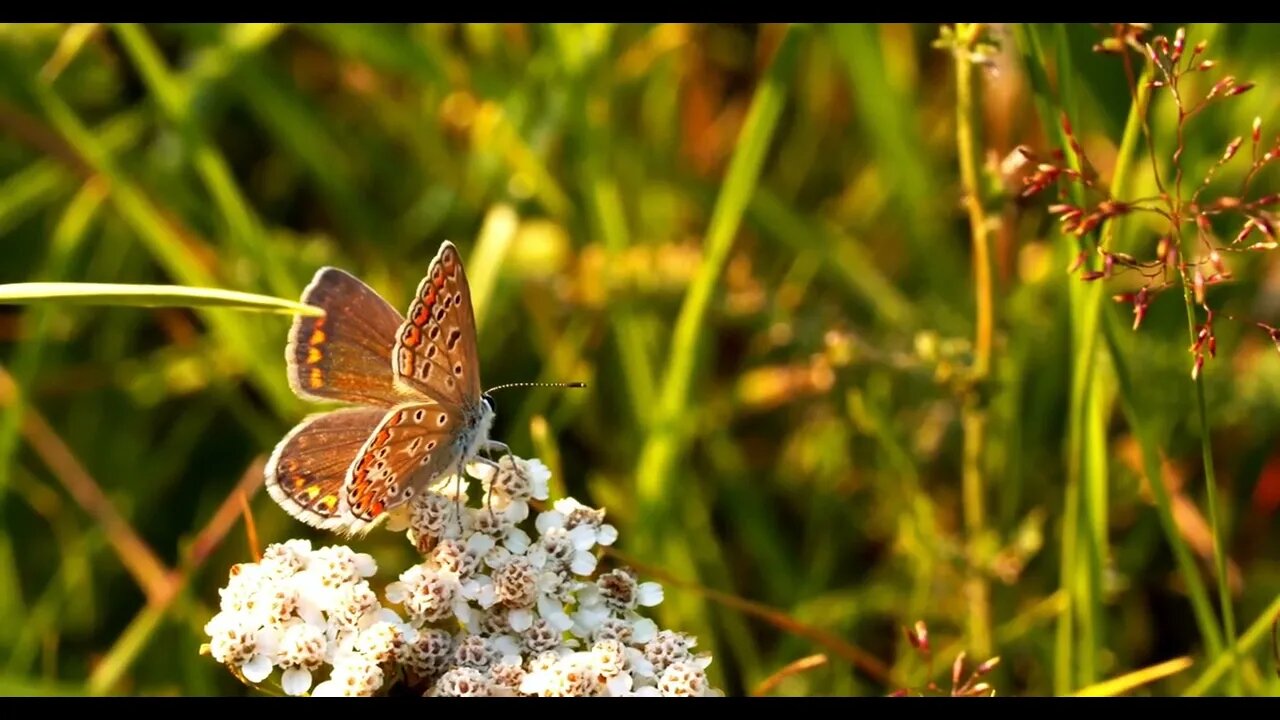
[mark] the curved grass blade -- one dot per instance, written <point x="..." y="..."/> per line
<point x="1136" y="679"/>
<point x="656" y="484"/>
<point x="1248" y="640"/>
<point x="148" y="296"/>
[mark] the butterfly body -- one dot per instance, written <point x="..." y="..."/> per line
<point x="417" y="412"/>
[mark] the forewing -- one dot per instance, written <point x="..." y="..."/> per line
<point x="346" y="354"/>
<point x="435" y="347"/>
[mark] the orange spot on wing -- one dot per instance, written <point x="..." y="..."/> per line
<point x="421" y="314"/>
<point x="298" y="482"/>
<point x="317" y="378"/>
<point x="412" y="336"/>
<point x="377" y="508"/>
<point x="329" y="502"/>
<point x="312" y="492"/>
<point x="406" y="361"/>
<point x="314" y="355"/>
<point x="317" y="336"/>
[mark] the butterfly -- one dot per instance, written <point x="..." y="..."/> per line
<point x="416" y="412"/>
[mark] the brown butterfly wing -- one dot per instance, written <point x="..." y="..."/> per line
<point x="308" y="468"/>
<point x="435" y="347"/>
<point x="345" y="355"/>
<point x="415" y="444"/>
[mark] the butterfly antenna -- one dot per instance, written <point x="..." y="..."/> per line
<point x="539" y="384"/>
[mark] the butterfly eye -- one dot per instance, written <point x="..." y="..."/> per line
<point x="493" y="407"/>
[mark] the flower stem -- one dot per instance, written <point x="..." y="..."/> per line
<point x="975" y="416"/>
<point x="1211" y="490"/>
<point x="1178" y="212"/>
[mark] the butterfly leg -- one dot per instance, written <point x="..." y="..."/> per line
<point x="492" y="445"/>
<point x="457" y="496"/>
<point x="488" y="497"/>
<point x="496" y="469"/>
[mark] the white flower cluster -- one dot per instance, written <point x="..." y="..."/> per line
<point x="490" y="611"/>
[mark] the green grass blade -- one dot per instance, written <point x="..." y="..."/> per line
<point x="303" y="130"/>
<point x="498" y="130"/>
<point x="846" y="258"/>
<point x="1196" y="589"/>
<point x="34" y="687"/>
<point x="1090" y="408"/>
<point x="1211" y="493"/>
<point x="1081" y="563"/>
<point x="168" y="245"/>
<point x="656" y="471"/>
<point x="485" y="264"/>
<point x="637" y="366"/>
<point x="148" y="296"/>
<point x="1033" y="59"/>
<point x="25" y="192"/>
<point x="1126" y="167"/>
<point x="214" y="64"/>
<point x="1247" y="642"/>
<point x="175" y="100"/>
<point x="135" y="638"/>
<point x="888" y="117"/>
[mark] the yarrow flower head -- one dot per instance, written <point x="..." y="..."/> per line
<point x="503" y="602"/>
<point x="298" y="610"/>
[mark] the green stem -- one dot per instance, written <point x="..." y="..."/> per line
<point x="1084" y="304"/>
<point x="975" y="415"/>
<point x="1196" y="589"/>
<point x="1086" y="484"/>
<point x="1089" y="410"/>
<point x="1177" y="213"/>
<point x="1211" y="490"/>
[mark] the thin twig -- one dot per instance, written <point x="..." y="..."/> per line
<point x="251" y="530"/>
<point x="29" y="129"/>
<point x="217" y="527"/>
<point x="802" y="665"/>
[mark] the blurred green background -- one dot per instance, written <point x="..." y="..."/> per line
<point x="748" y="240"/>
